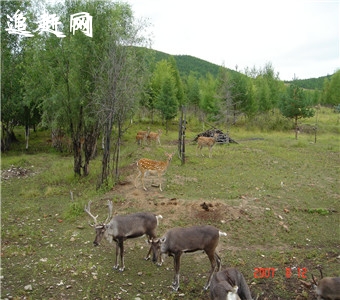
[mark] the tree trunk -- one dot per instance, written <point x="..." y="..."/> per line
<point x="90" y="146"/>
<point x="106" y="152"/>
<point x="296" y="128"/>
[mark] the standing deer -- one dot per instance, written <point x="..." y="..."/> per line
<point x="146" y="166"/>
<point x="328" y="288"/>
<point x="142" y="136"/>
<point x="229" y="284"/>
<point x="177" y="241"/>
<point x="155" y="136"/>
<point x="209" y="142"/>
<point x="125" y="227"/>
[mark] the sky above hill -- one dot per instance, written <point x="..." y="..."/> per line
<point x="299" y="38"/>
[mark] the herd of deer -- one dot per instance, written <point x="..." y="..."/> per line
<point x="226" y="284"/>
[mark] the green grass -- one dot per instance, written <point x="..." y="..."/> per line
<point x="47" y="243"/>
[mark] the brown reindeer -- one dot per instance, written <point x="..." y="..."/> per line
<point x="121" y="228"/>
<point x="209" y="142"/>
<point x="177" y="241"/>
<point x="146" y="166"/>
<point x="328" y="288"/>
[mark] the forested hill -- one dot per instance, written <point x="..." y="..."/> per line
<point x="311" y="83"/>
<point x="187" y="63"/>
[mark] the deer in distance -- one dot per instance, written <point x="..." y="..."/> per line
<point x="142" y="136"/>
<point x="229" y="284"/>
<point x="209" y="142"/>
<point x="155" y="136"/>
<point x="123" y="227"/>
<point x="177" y="241"/>
<point x="145" y="166"/>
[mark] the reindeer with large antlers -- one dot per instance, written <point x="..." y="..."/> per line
<point x="146" y="166"/>
<point x="125" y="227"/>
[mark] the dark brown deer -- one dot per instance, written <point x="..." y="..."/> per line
<point x="125" y="227"/>
<point x="229" y="284"/>
<point x="177" y="241"/>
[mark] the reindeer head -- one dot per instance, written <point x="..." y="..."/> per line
<point x="100" y="228"/>
<point x="155" y="245"/>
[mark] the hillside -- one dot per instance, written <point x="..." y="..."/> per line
<point x="187" y="63"/>
<point x="311" y="83"/>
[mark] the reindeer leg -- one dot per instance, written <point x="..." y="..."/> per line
<point x="121" y="246"/>
<point x="116" y="265"/>
<point x="147" y="257"/>
<point x="177" y="263"/>
<point x="218" y="261"/>
<point x="212" y="259"/>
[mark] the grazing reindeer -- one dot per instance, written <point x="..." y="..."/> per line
<point x="155" y="136"/>
<point x="177" y="241"/>
<point x="146" y="166"/>
<point x="229" y="284"/>
<point x="328" y="288"/>
<point x="206" y="141"/>
<point x="125" y="227"/>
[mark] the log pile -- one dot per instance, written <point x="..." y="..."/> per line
<point x="223" y="138"/>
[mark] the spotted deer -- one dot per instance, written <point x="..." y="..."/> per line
<point x="145" y="166"/>
<point x="155" y="136"/>
<point x="123" y="227"/>
<point x="209" y="142"/>
<point x="142" y="136"/>
<point x="177" y="241"/>
<point x="230" y="284"/>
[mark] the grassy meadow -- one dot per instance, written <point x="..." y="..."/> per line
<point x="277" y="198"/>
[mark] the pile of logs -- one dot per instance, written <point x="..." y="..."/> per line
<point x="223" y="138"/>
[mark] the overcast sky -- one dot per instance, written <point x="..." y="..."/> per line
<point x="299" y="38"/>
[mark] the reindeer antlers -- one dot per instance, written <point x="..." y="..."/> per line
<point x="88" y="210"/>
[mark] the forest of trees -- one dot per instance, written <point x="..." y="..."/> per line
<point x="83" y="87"/>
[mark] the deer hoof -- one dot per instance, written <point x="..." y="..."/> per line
<point x="175" y="287"/>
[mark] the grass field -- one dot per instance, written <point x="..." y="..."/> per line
<point x="276" y="197"/>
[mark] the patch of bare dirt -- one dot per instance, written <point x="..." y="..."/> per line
<point x="16" y="172"/>
<point x="173" y="208"/>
